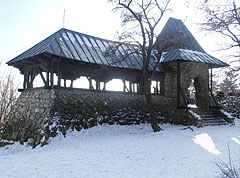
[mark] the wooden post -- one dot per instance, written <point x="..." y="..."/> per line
<point x="104" y="86"/>
<point x="178" y="83"/>
<point x="71" y="85"/>
<point x="32" y="75"/>
<point x="138" y="88"/>
<point x="157" y="90"/>
<point x="47" y="73"/>
<point x="90" y="83"/>
<point x="65" y="83"/>
<point x="52" y="79"/>
<point x="27" y="78"/>
<point x="25" y="81"/>
<point x="59" y="73"/>
<point x="130" y="86"/>
<point x="43" y="79"/>
<point x="97" y="84"/>
<point x="59" y="80"/>
<point x="162" y="85"/>
<point x="211" y="81"/>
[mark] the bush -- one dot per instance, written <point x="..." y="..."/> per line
<point x="228" y="170"/>
<point x="8" y="93"/>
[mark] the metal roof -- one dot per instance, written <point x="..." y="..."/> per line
<point x="85" y="48"/>
<point x="176" y="35"/>
<point x="193" y="56"/>
<point x="179" y="44"/>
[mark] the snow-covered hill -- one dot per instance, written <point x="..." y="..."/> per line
<point x="125" y="151"/>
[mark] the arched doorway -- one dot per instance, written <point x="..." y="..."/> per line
<point x="191" y="95"/>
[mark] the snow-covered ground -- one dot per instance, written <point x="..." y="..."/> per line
<point x="126" y="151"/>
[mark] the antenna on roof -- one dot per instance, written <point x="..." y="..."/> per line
<point x="63" y="17"/>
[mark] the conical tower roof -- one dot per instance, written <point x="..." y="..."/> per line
<point x="175" y="35"/>
<point x="178" y="43"/>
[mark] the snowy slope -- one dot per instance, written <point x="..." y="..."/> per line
<point x="125" y="152"/>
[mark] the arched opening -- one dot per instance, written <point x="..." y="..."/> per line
<point x="191" y="95"/>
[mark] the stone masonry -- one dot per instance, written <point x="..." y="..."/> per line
<point x="41" y="113"/>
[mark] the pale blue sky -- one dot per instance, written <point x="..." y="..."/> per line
<point x="24" y="23"/>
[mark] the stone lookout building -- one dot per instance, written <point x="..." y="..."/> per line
<point x="67" y="55"/>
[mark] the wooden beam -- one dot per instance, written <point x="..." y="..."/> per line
<point x="43" y="79"/>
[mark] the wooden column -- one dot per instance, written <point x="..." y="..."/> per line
<point x="178" y="83"/>
<point x="59" y="73"/>
<point x="65" y="83"/>
<point x="124" y="85"/>
<point x="162" y="85"/>
<point x="138" y="88"/>
<point x="71" y="85"/>
<point x="157" y="89"/>
<point x="97" y="84"/>
<point x="43" y="79"/>
<point x="90" y="83"/>
<point x="211" y="81"/>
<point x="52" y="79"/>
<point x="104" y="86"/>
<point x="33" y="74"/>
<point x="130" y="86"/>
<point x="59" y="80"/>
<point x="47" y="84"/>
<point x="25" y="81"/>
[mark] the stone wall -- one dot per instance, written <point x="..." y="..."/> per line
<point x="41" y="113"/>
<point x="189" y="70"/>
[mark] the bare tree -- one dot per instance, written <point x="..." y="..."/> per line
<point x="223" y="17"/>
<point x="8" y="93"/>
<point x="140" y="18"/>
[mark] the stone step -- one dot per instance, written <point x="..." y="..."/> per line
<point x="214" y="121"/>
<point x="212" y="118"/>
<point x="207" y="116"/>
<point x="213" y="124"/>
<point x="209" y="119"/>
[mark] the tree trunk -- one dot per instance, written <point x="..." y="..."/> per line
<point x="153" y="119"/>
